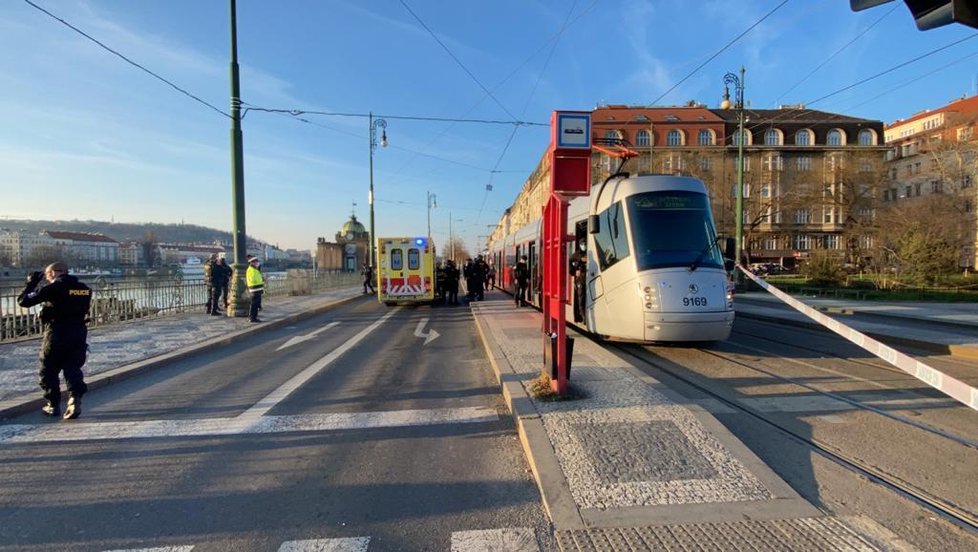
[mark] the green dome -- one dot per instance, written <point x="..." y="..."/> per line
<point x="353" y="226"/>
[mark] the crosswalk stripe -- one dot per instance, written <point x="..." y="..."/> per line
<point x="354" y="544"/>
<point x="11" y="434"/>
<point x="512" y="539"/>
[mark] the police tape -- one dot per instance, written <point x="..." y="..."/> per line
<point x="954" y="388"/>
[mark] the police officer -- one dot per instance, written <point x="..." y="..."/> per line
<point x="64" y="343"/>
<point x="578" y="271"/>
<point x="368" y="279"/>
<point x="451" y="282"/>
<point x="256" y="286"/>
<point x="221" y="278"/>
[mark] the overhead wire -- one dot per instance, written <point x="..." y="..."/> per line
<point x="720" y="51"/>
<point x="836" y="53"/>
<point x="454" y="57"/>
<point x="126" y="59"/>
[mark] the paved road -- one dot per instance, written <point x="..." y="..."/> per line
<point x="362" y="428"/>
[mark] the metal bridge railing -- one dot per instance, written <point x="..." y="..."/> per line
<point x="116" y="301"/>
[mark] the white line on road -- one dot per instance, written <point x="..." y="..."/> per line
<point x="159" y="549"/>
<point x="353" y="544"/>
<point x="15" y="434"/>
<point x="302" y="338"/>
<point x="287" y="388"/>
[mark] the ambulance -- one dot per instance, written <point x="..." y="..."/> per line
<point x="406" y="270"/>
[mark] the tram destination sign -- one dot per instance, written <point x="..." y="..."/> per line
<point x="670" y="201"/>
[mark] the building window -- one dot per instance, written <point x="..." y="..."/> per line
<point x="769" y="244"/>
<point x="969" y="206"/>
<point x="867" y="138"/>
<point x="802" y="242"/>
<point x="908" y="190"/>
<point x="771" y="162"/>
<point x="772" y="137"/>
<point x="832" y="241"/>
<point x="803" y="163"/>
<point x="916" y="167"/>
<point x="966" y="181"/>
<point x="765" y="191"/>
<point x="612" y="135"/>
<point x="706" y="138"/>
<point x="642" y="138"/>
<point x="737" y="135"/>
<point x="917" y="189"/>
<point x="865" y="165"/>
<point x="827" y="215"/>
<point x="936" y="187"/>
<point x="674" y="138"/>
<point x="706" y="164"/>
<point x="802" y="216"/>
<point x="803" y="137"/>
<point x="835" y="138"/>
<point x="893" y="173"/>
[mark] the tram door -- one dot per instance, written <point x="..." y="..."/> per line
<point x="406" y="270"/>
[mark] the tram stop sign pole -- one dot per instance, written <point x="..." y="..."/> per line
<point x="570" y="176"/>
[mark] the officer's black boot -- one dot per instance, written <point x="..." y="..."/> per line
<point x="74" y="408"/>
<point x="52" y="408"/>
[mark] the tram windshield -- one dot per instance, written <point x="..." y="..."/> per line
<point x="671" y="229"/>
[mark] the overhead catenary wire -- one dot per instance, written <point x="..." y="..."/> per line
<point x="126" y="59"/>
<point x="458" y="61"/>
<point x="720" y="51"/>
<point x="293" y="111"/>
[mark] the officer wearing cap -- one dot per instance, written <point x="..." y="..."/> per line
<point x="64" y="343"/>
<point x="256" y="286"/>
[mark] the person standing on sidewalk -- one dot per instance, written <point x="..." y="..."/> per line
<point x="521" y="273"/>
<point x="222" y="277"/>
<point x="64" y="344"/>
<point x="210" y="273"/>
<point x="256" y="287"/>
<point x="368" y="279"/>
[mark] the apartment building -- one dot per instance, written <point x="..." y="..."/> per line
<point x="936" y="152"/>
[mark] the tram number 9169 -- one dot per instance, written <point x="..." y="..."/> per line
<point x="694" y="301"/>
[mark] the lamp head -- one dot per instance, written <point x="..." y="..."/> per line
<point x="725" y="104"/>
<point x="383" y="138"/>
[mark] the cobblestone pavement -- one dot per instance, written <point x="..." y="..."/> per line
<point x="629" y="466"/>
<point x="114" y="346"/>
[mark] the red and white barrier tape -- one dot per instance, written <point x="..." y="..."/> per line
<point x="954" y="388"/>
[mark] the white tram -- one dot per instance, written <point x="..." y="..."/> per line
<point x="655" y="271"/>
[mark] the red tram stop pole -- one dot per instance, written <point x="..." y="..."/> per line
<point x="570" y="176"/>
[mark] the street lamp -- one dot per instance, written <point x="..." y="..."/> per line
<point x="373" y="124"/>
<point x="728" y="79"/>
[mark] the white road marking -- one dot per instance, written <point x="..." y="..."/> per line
<point x="302" y="338"/>
<point x="53" y="432"/>
<point x="353" y="544"/>
<point x="429" y="337"/>
<point x="287" y="388"/>
<point x="514" y="539"/>
<point x="160" y="549"/>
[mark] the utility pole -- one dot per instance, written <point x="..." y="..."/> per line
<point x="238" y="302"/>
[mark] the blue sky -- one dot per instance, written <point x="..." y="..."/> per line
<point x="84" y="135"/>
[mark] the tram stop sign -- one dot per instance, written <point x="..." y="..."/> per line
<point x="570" y="162"/>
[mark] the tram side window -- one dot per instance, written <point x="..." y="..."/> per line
<point x="397" y="259"/>
<point x="414" y="259"/>
<point x="611" y="241"/>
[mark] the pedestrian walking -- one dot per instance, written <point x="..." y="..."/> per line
<point x="490" y="276"/>
<point x="521" y="273"/>
<point x="368" y="279"/>
<point x="209" y="265"/>
<point x="479" y="270"/>
<point x="64" y="343"/>
<point x="256" y="287"/>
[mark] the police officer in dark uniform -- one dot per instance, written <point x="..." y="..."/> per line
<point x="578" y="271"/>
<point x="221" y="278"/>
<point x="64" y="343"/>
<point x="451" y="282"/>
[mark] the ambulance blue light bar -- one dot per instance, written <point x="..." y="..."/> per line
<point x="419" y="241"/>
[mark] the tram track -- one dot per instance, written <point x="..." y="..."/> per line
<point x="955" y="513"/>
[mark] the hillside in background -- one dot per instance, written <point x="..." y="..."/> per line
<point x="162" y="233"/>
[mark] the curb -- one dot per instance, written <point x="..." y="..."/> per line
<point x="960" y="351"/>
<point x="24" y="404"/>
<point x="539" y="452"/>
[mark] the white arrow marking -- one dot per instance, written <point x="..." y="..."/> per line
<point x="300" y="338"/>
<point x="429" y="337"/>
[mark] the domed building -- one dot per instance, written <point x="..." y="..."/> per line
<point x="350" y="250"/>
